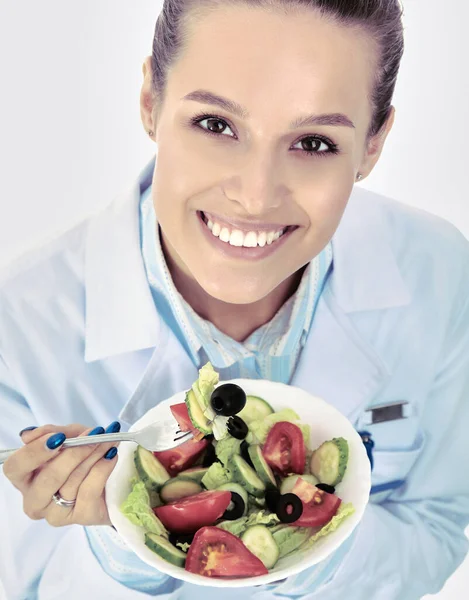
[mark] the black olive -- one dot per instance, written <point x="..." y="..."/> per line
<point x="210" y="437"/>
<point x="237" y="428"/>
<point x="210" y="456"/>
<point x="330" y="489"/>
<point x="181" y="538"/>
<point x="236" y="508"/>
<point x="228" y="399"/>
<point x="245" y="454"/>
<point x="271" y="499"/>
<point x="289" y="508"/>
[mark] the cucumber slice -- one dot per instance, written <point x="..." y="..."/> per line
<point x="196" y="415"/>
<point x="155" y="499"/>
<point x="150" y="470"/>
<point x="246" y="476"/>
<point x="289" y="482"/>
<point x="165" y="549"/>
<point x="235" y="487"/>
<point x="261" y="543"/>
<point x="329" y="461"/>
<point x="196" y="473"/>
<point x="255" y="410"/>
<point x="262" y="468"/>
<point x="179" y="487"/>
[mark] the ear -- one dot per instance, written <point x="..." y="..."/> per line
<point x="147" y="100"/>
<point x="375" y="145"/>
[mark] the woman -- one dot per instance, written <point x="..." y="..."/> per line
<point x="246" y="244"/>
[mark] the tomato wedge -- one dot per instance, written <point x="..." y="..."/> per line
<point x="318" y="506"/>
<point x="190" y="513"/>
<point x="218" y="553"/>
<point x="181" y="414"/>
<point x="182" y="457"/>
<point x="284" y="448"/>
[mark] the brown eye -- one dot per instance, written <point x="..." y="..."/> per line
<point x="314" y="145"/>
<point x="215" y="125"/>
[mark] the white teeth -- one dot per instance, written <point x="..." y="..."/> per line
<point x="250" y="240"/>
<point x="262" y="239"/>
<point x="236" y="237"/>
<point x="225" y="234"/>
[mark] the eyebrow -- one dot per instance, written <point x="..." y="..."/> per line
<point x="207" y="97"/>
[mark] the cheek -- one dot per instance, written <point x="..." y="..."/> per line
<point x="326" y="206"/>
<point x="182" y="169"/>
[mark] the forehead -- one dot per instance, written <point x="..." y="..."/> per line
<point x="269" y="61"/>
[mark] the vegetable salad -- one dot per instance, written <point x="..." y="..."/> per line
<point x="246" y="491"/>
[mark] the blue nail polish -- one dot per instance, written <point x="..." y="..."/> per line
<point x="27" y="429"/>
<point x="110" y="453"/>
<point x="114" y="427"/>
<point x="55" y="441"/>
<point x="97" y="431"/>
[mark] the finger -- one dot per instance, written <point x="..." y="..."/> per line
<point x="21" y="465"/>
<point x="52" y="476"/>
<point x="71" y="487"/>
<point x="30" y="435"/>
<point x="90" y="507"/>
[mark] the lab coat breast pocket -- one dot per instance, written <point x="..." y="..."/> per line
<point x="391" y="468"/>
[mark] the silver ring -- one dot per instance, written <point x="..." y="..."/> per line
<point x="57" y="498"/>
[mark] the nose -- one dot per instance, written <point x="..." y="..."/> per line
<point x="257" y="185"/>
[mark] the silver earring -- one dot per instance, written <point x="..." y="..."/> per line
<point x="359" y="177"/>
<point x="150" y="133"/>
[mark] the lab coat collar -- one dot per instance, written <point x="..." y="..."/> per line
<point x="120" y="311"/>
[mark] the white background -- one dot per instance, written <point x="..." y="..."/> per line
<point x="71" y="138"/>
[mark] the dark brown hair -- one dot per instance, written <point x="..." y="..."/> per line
<point x="380" y="19"/>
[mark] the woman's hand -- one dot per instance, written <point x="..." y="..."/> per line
<point x="79" y="474"/>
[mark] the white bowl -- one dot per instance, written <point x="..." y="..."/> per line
<point x="326" y="422"/>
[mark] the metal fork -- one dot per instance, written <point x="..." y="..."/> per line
<point x="155" y="437"/>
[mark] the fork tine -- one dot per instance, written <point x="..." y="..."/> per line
<point x="181" y="437"/>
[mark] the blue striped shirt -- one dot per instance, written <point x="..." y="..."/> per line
<point x="270" y="352"/>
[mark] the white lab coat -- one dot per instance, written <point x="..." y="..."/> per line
<point x="81" y="341"/>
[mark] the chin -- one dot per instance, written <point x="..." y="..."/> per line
<point x="235" y="291"/>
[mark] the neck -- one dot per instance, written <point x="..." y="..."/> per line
<point x="237" y="321"/>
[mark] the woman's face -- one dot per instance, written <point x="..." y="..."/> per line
<point x="235" y="169"/>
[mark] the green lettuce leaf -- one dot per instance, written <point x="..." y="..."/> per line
<point x="184" y="547"/>
<point x="260" y="429"/>
<point x="262" y="517"/>
<point x="137" y="509"/>
<point x="236" y="527"/>
<point x="226" y="447"/>
<point x="345" y="510"/>
<point x="216" y="476"/>
<point x="205" y="384"/>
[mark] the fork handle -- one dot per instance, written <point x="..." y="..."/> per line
<point x="99" y="439"/>
<point x="81" y="441"/>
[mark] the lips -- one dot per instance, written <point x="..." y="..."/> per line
<point x="249" y="236"/>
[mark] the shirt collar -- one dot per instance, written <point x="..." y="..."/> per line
<point x="120" y="311"/>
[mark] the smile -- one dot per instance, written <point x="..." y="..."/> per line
<point x="261" y="236"/>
